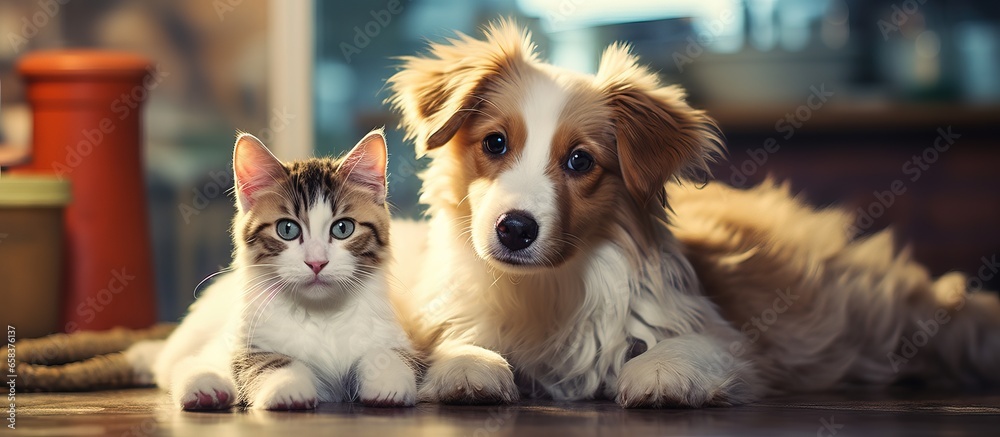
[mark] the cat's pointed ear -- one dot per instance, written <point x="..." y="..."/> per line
<point x="254" y="168"/>
<point x="365" y="164"/>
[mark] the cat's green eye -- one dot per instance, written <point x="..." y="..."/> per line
<point x="288" y="230"/>
<point x="342" y="229"/>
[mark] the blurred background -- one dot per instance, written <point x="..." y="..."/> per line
<point x="839" y="97"/>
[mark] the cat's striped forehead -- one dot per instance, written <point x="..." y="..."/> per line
<point x="312" y="180"/>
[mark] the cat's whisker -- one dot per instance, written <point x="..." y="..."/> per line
<point x="258" y="282"/>
<point x="393" y="209"/>
<point x="364" y="275"/>
<point x="258" y="289"/>
<point x="354" y="283"/>
<point x="295" y="287"/>
<point x="395" y="283"/>
<point x="259" y="275"/>
<point x="245" y="311"/>
<point x="224" y="270"/>
<point x="260" y="312"/>
<point x="254" y="279"/>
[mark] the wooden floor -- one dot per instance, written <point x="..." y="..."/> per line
<point x="145" y="412"/>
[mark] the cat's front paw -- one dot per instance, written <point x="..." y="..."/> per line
<point x="387" y="380"/>
<point x="204" y="391"/>
<point x="394" y="391"/>
<point x="142" y="356"/>
<point x="474" y="377"/>
<point x="287" y="388"/>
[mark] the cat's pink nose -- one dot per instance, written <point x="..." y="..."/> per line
<point x="316" y="266"/>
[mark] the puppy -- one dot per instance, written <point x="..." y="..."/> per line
<point x="553" y="268"/>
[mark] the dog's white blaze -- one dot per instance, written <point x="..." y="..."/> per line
<point x="526" y="186"/>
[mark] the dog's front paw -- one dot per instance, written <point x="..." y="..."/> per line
<point x="204" y="391"/>
<point x="675" y="377"/>
<point x="287" y="388"/>
<point x="473" y="377"/>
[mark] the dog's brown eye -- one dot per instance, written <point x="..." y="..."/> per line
<point x="495" y="144"/>
<point x="580" y="161"/>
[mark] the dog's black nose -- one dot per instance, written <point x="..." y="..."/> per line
<point x="517" y="230"/>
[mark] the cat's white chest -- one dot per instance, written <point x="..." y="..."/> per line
<point x="328" y="343"/>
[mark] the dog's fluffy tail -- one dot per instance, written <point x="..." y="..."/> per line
<point x="819" y="307"/>
<point x="967" y="341"/>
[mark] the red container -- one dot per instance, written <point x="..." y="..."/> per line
<point x="87" y="108"/>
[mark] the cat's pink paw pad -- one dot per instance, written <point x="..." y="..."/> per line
<point x="219" y="400"/>
<point x="204" y="391"/>
<point x="222" y="396"/>
<point x="307" y="404"/>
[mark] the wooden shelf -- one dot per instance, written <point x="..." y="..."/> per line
<point x="841" y="117"/>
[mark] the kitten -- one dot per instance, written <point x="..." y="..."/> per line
<point x="304" y="314"/>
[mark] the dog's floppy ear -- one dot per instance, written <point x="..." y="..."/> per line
<point x="436" y="92"/>
<point x="659" y="136"/>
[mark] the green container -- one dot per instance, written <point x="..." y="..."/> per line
<point x="31" y="253"/>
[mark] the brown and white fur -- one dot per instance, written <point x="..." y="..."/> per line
<point x="614" y="297"/>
